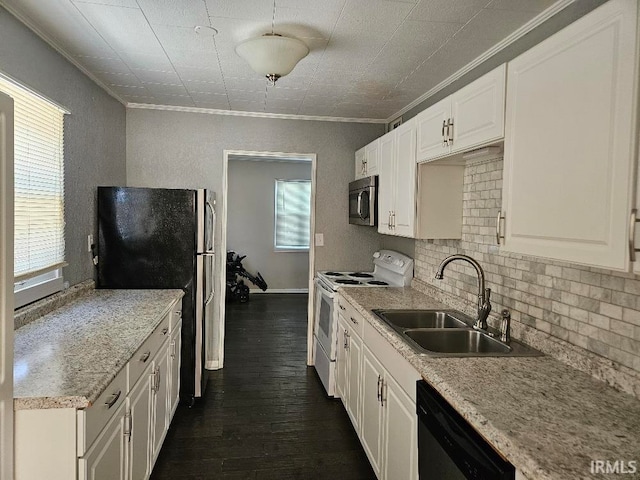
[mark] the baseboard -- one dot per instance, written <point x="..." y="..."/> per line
<point x="280" y="290"/>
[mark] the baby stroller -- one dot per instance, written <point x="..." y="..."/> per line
<point x="236" y="288"/>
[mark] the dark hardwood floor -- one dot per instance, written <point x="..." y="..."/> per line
<point x="266" y="414"/>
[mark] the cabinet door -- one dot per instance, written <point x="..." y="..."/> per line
<point x="371" y="157"/>
<point x="354" y="352"/>
<point x="160" y="400"/>
<point x="105" y="459"/>
<point x="386" y="181"/>
<point x="371" y="425"/>
<point x="568" y="141"/>
<point x="404" y="216"/>
<point x="175" y="349"/>
<point x="400" y="433"/>
<point x="341" y="362"/>
<point x="430" y="133"/>
<point x="360" y="163"/>
<point x="477" y="111"/>
<point x="140" y="441"/>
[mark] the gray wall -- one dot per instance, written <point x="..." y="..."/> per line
<point x="94" y="151"/>
<point x="250" y="223"/>
<point x="185" y="150"/>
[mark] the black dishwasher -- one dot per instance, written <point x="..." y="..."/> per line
<point x="449" y="448"/>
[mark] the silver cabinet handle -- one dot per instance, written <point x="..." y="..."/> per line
<point x="114" y="398"/>
<point x="389" y="221"/>
<point x="444" y="139"/>
<point x="379" y="390"/>
<point x="450" y="131"/>
<point x="345" y="339"/>
<point x="145" y="356"/>
<point x="342" y="308"/>
<point x="173" y="349"/>
<point x="498" y="221"/>
<point x="354" y="320"/>
<point x="632" y="235"/>
<point x="382" y="391"/>
<point x="165" y="331"/>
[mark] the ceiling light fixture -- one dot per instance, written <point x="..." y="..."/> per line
<point x="272" y="55"/>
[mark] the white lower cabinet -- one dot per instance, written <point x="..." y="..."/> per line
<point x="120" y="435"/>
<point x="377" y="386"/>
<point x="400" y="450"/>
<point x="372" y="412"/>
<point x="175" y="349"/>
<point x="105" y="460"/>
<point x="160" y="402"/>
<point x="139" y="441"/>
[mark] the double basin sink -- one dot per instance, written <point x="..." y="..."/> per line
<point x="449" y="333"/>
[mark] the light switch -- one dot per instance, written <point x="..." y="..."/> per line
<point x="319" y="239"/>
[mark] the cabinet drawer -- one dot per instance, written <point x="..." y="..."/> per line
<point x="143" y="357"/>
<point x="351" y="315"/>
<point x="92" y="420"/>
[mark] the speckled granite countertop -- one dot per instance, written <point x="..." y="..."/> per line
<point x="545" y="417"/>
<point x="67" y="358"/>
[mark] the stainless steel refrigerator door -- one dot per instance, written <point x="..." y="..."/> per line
<point x="206" y="220"/>
<point x="204" y="313"/>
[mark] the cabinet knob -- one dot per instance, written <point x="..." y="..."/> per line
<point x="145" y="357"/>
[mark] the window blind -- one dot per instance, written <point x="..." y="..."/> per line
<point x="39" y="182"/>
<point x="293" y="214"/>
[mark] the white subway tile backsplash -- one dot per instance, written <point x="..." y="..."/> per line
<point x="592" y="308"/>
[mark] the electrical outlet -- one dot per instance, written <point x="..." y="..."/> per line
<point x="319" y="240"/>
<point x="89" y="242"/>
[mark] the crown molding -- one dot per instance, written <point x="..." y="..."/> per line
<point x="235" y="113"/>
<point x="498" y="47"/>
<point x="53" y="44"/>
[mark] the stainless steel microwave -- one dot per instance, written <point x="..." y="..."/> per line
<point x="363" y="201"/>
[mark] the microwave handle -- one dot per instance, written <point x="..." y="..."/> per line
<point x="360" y="205"/>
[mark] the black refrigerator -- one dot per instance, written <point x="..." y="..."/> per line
<point x="163" y="238"/>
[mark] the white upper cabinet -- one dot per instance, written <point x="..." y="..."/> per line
<point x="569" y="141"/>
<point x="371" y="158"/>
<point x="431" y="126"/>
<point x="361" y="164"/>
<point x="477" y="111"/>
<point x="397" y="181"/>
<point x="367" y="160"/>
<point x="471" y="117"/>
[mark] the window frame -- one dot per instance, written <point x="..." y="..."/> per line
<point x="288" y="248"/>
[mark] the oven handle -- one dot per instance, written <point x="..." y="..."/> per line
<point x="329" y="293"/>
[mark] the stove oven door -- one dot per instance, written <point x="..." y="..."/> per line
<point x="325" y="325"/>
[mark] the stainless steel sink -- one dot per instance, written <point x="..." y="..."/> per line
<point x="424" y="318"/>
<point x="457" y="341"/>
<point x="448" y="333"/>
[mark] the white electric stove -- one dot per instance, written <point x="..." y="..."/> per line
<point x="391" y="269"/>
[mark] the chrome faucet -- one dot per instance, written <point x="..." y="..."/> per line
<point x="484" y="306"/>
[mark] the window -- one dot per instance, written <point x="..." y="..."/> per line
<point x="293" y="215"/>
<point x="39" y="194"/>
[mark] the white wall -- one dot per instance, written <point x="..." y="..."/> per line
<point x="250" y="222"/>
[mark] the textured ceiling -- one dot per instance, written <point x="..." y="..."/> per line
<point x="368" y="58"/>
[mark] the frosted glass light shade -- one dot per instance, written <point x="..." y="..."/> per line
<point x="272" y="55"/>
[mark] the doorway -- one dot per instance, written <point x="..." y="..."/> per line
<point x="236" y="162"/>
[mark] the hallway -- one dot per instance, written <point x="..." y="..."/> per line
<point x="265" y="415"/>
